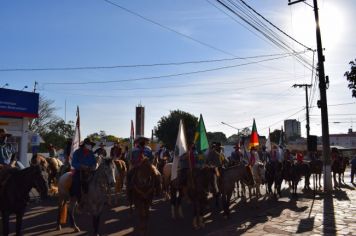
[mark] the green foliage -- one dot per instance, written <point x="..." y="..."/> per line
<point x="167" y="127"/>
<point x="351" y="77"/>
<point x="102" y="137"/>
<point x="46" y="117"/>
<point x="217" y="137"/>
<point x="57" y="134"/>
<point x="232" y="139"/>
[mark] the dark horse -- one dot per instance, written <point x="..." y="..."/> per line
<point x="316" y="168"/>
<point x="339" y="167"/>
<point x="144" y="182"/>
<point x="15" y="186"/>
<point x="274" y="176"/>
<point x="297" y="171"/>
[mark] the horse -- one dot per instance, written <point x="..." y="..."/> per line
<point x="120" y="178"/>
<point x="274" y="175"/>
<point x="345" y="163"/>
<point x="166" y="179"/>
<point x="103" y="176"/>
<point x="143" y="182"/>
<point x="316" y="169"/>
<point x="297" y="171"/>
<point x="233" y="175"/>
<point x="54" y="165"/>
<point x="197" y="192"/>
<point x="259" y="176"/>
<point x="15" y="186"/>
<point x="338" y="167"/>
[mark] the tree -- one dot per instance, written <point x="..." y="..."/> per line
<point x="167" y="127"/>
<point x="46" y="116"/>
<point x="233" y="139"/>
<point x="217" y="137"/>
<point x="351" y="77"/>
<point x="57" y="134"/>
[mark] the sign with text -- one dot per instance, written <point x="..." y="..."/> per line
<point x="14" y="103"/>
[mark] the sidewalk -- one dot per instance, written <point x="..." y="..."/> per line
<point x="333" y="214"/>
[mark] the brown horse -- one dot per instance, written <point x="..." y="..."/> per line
<point x="120" y="178"/>
<point x="15" y="186"/>
<point x="142" y="187"/>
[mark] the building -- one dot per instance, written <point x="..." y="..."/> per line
<point x="344" y="140"/>
<point x="17" y="109"/>
<point x="140" y="121"/>
<point x="292" y="128"/>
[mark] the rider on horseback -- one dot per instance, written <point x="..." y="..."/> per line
<point x="139" y="153"/>
<point x="83" y="161"/>
<point x="216" y="159"/>
<point x="236" y="156"/>
<point x="300" y="158"/>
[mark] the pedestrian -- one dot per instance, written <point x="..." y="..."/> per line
<point x="6" y="149"/>
<point x="353" y="168"/>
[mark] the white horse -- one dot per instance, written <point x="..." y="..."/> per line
<point x="258" y="172"/>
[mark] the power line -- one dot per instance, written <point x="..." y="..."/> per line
<point x="276" y="27"/>
<point x="168" y="28"/>
<point x="165" y="76"/>
<point x="138" y="65"/>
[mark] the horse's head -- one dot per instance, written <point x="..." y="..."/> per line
<point x="110" y="170"/>
<point x="144" y="174"/>
<point x="39" y="177"/>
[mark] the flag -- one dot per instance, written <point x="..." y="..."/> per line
<point x="179" y="150"/>
<point x="200" y="137"/>
<point x="254" y="136"/>
<point x="76" y="138"/>
<point x="131" y="144"/>
<point x="281" y="146"/>
<point x="268" y="142"/>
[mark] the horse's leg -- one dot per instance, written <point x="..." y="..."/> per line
<point x="173" y="202"/>
<point x="19" y="216"/>
<point x="179" y="203"/>
<point x="73" y="206"/>
<point x="320" y="180"/>
<point x="5" y="222"/>
<point x="96" y="221"/>
<point x="200" y="215"/>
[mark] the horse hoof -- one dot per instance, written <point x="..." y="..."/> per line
<point x="76" y="229"/>
<point x="59" y="227"/>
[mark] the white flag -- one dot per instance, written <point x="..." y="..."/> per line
<point x="179" y="150"/>
<point x="76" y="138"/>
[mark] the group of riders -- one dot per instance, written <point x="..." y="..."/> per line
<point x="85" y="159"/>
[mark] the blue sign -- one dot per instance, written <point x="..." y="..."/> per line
<point x="16" y="103"/>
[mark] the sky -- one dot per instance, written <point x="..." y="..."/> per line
<point x="42" y="34"/>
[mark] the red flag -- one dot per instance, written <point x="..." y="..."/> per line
<point x="254" y="136"/>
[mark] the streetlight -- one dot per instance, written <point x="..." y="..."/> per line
<point x="5" y="85"/>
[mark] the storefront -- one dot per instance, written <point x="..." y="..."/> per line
<point x="17" y="108"/>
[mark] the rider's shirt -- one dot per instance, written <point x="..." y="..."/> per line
<point x="236" y="156"/>
<point x="138" y="153"/>
<point x="300" y="158"/>
<point x="83" y="156"/>
<point x="6" y="151"/>
<point x="215" y="159"/>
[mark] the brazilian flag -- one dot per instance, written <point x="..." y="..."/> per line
<point x="200" y="137"/>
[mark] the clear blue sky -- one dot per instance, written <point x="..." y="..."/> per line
<point x="49" y="34"/>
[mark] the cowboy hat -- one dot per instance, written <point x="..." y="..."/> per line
<point x="141" y="138"/>
<point x="88" y="141"/>
<point x="4" y="131"/>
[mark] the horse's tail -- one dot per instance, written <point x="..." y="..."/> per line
<point x="63" y="213"/>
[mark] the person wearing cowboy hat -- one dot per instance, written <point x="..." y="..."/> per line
<point x="216" y="159"/>
<point x="101" y="150"/>
<point x="116" y="151"/>
<point x="6" y="149"/>
<point x="236" y="155"/>
<point x="83" y="161"/>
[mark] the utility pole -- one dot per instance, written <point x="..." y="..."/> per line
<point x="307" y="106"/>
<point x="322" y="103"/>
<point x="35" y="87"/>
